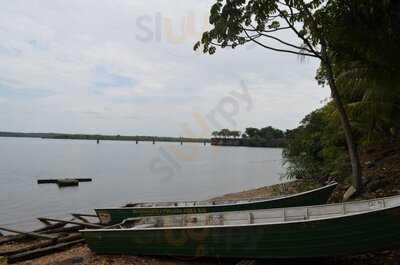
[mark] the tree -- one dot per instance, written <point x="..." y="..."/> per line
<point x="236" y="22"/>
<point x="316" y="150"/>
<point x="366" y="63"/>
<point x="271" y="133"/>
<point x="235" y="134"/>
<point x="252" y="132"/>
<point x="215" y="133"/>
<point x="225" y="133"/>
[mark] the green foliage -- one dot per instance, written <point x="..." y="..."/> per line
<point x="236" y="22"/>
<point x="268" y="132"/>
<point x="252" y="132"/>
<point x="253" y="137"/>
<point x="316" y="150"/>
<point x="364" y="37"/>
<point x="357" y="42"/>
<point x="363" y="45"/>
<point x="226" y="133"/>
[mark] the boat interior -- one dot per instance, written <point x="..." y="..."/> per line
<point x="209" y="203"/>
<point x="268" y="216"/>
<point x="185" y="203"/>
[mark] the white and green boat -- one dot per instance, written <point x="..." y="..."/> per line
<point x="296" y="232"/>
<point x="109" y="216"/>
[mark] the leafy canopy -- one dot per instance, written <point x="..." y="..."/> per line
<point x="236" y="22"/>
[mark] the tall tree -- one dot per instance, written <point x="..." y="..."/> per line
<point x="236" y="22"/>
<point x="252" y="132"/>
<point x="364" y="47"/>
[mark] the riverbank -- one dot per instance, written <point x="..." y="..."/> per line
<point x="101" y="137"/>
<point x="82" y="255"/>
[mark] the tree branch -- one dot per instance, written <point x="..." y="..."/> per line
<point x="286" y="43"/>
<point x="286" y="4"/>
<point x="279" y="50"/>
<point x="282" y="41"/>
<point x="305" y="40"/>
<point x="266" y="31"/>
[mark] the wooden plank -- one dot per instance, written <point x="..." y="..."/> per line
<point x="16" y="238"/>
<point x="42" y="251"/>
<point x="69" y="229"/>
<point x="49" y="227"/>
<point x="47" y="223"/>
<point x="85" y="224"/>
<point x="44" y="244"/>
<point x="82" y="216"/>
<point x="32" y="234"/>
<point x="44" y="230"/>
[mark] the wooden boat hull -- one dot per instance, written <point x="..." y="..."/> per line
<point x="345" y="235"/>
<point x="313" y="197"/>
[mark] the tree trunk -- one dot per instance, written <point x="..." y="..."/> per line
<point x="351" y="144"/>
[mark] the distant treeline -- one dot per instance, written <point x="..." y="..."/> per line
<point x="102" y="137"/>
<point x="253" y="137"/>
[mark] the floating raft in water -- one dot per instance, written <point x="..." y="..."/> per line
<point x="297" y="232"/>
<point x="109" y="216"/>
<point x="65" y="182"/>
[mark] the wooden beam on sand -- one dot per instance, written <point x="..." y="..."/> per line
<point x="49" y="227"/>
<point x="82" y="216"/>
<point x="62" y="230"/>
<point x="32" y="234"/>
<point x="43" y="244"/>
<point x="85" y="224"/>
<point x="44" y="230"/>
<point x="42" y="251"/>
<point x="46" y="223"/>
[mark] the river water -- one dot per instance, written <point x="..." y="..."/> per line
<point x="122" y="172"/>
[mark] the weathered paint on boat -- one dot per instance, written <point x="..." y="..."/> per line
<point x="314" y="231"/>
<point x="321" y="195"/>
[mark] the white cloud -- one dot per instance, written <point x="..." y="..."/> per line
<point x="55" y="46"/>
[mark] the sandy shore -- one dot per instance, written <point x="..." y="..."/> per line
<point x="80" y="254"/>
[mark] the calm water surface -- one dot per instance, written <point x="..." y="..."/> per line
<point x="122" y="172"/>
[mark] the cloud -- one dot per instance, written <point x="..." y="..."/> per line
<point x="15" y="90"/>
<point x="68" y="57"/>
<point x="104" y="79"/>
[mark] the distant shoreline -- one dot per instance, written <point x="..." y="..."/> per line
<point x="249" y="142"/>
<point x="100" y="137"/>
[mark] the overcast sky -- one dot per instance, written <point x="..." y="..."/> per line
<point x="128" y="67"/>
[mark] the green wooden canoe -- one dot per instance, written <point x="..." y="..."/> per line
<point x="312" y="231"/>
<point x="110" y="216"/>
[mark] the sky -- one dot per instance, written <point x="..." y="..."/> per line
<point x="128" y="67"/>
